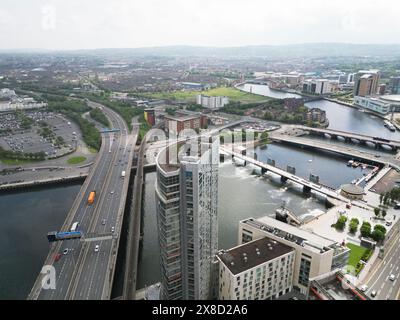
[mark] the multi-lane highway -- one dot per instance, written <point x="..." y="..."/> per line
<point x="380" y="282"/>
<point x="83" y="272"/>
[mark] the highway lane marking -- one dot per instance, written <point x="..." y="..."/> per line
<point x="98" y="214"/>
<point x="382" y="272"/>
<point x="66" y="222"/>
<point x="95" y="225"/>
<point x="378" y="268"/>
<point x="92" y="222"/>
<point x="93" y="273"/>
<point x="81" y="217"/>
<point x="116" y="182"/>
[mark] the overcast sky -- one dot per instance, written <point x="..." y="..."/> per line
<point x="87" y="24"/>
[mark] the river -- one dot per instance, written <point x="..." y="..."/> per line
<point x="340" y="117"/>
<point x="243" y="195"/>
<point x="26" y="217"/>
<point x="25" y="220"/>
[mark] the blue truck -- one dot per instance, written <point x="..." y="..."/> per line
<point x="55" y="236"/>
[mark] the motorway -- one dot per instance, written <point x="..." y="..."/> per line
<point x="379" y="281"/>
<point x="83" y="273"/>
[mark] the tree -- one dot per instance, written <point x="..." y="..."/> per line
<point x="378" y="235"/>
<point x="380" y="228"/>
<point x="353" y="225"/>
<point x="384" y="213"/>
<point x="365" y="229"/>
<point x="264" y="137"/>
<point x="377" y="212"/>
<point x="381" y="198"/>
<point x="341" y="223"/>
<point x="386" y="198"/>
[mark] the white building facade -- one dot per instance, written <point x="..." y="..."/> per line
<point x="318" y="86"/>
<point x="187" y="200"/>
<point x="314" y="255"/>
<point x="212" y="102"/>
<point x="382" y="105"/>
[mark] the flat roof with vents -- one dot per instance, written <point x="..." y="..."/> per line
<point x="252" y="254"/>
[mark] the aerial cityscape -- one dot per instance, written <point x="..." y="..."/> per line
<point x="189" y="170"/>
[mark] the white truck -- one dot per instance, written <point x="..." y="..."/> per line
<point x="123" y="174"/>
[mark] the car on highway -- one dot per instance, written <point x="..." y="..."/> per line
<point x="65" y="252"/>
<point x="392" y="277"/>
<point x="112" y="229"/>
<point x="373" y="294"/>
<point x="57" y="257"/>
<point x="103" y="222"/>
<point x="97" y="248"/>
<point x="112" y="192"/>
<point x="364" y="288"/>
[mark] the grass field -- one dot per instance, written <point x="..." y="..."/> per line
<point x="233" y="94"/>
<point x="76" y="160"/>
<point x="355" y="254"/>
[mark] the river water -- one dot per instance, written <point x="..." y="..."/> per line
<point x="25" y="220"/>
<point x="340" y="117"/>
<point x="26" y="217"/>
<point x="243" y="195"/>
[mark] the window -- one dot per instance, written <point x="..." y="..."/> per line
<point x="304" y="273"/>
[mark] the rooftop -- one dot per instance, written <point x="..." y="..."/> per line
<point x="252" y="254"/>
<point x="372" y="71"/>
<point x="183" y="117"/>
<point x="189" y="151"/>
<point x="353" y="189"/>
<point x="300" y="237"/>
<point x="391" y="97"/>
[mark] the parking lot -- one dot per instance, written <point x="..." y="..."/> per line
<point x="33" y="140"/>
<point x="387" y="183"/>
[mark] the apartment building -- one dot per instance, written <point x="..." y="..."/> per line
<point x="186" y="201"/>
<point x="366" y="83"/>
<point x="317" y="86"/>
<point x="212" y="102"/>
<point x="175" y="124"/>
<point x="314" y="255"/>
<point x="258" y="270"/>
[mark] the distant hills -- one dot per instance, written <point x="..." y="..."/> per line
<point x="267" y="51"/>
<point x="295" y="50"/>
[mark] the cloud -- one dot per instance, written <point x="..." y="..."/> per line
<point x="74" y="24"/>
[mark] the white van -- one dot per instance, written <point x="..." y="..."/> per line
<point x="74" y="226"/>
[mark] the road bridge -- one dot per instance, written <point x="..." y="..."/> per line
<point x="285" y="176"/>
<point x="352" y="137"/>
<point x="85" y="273"/>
